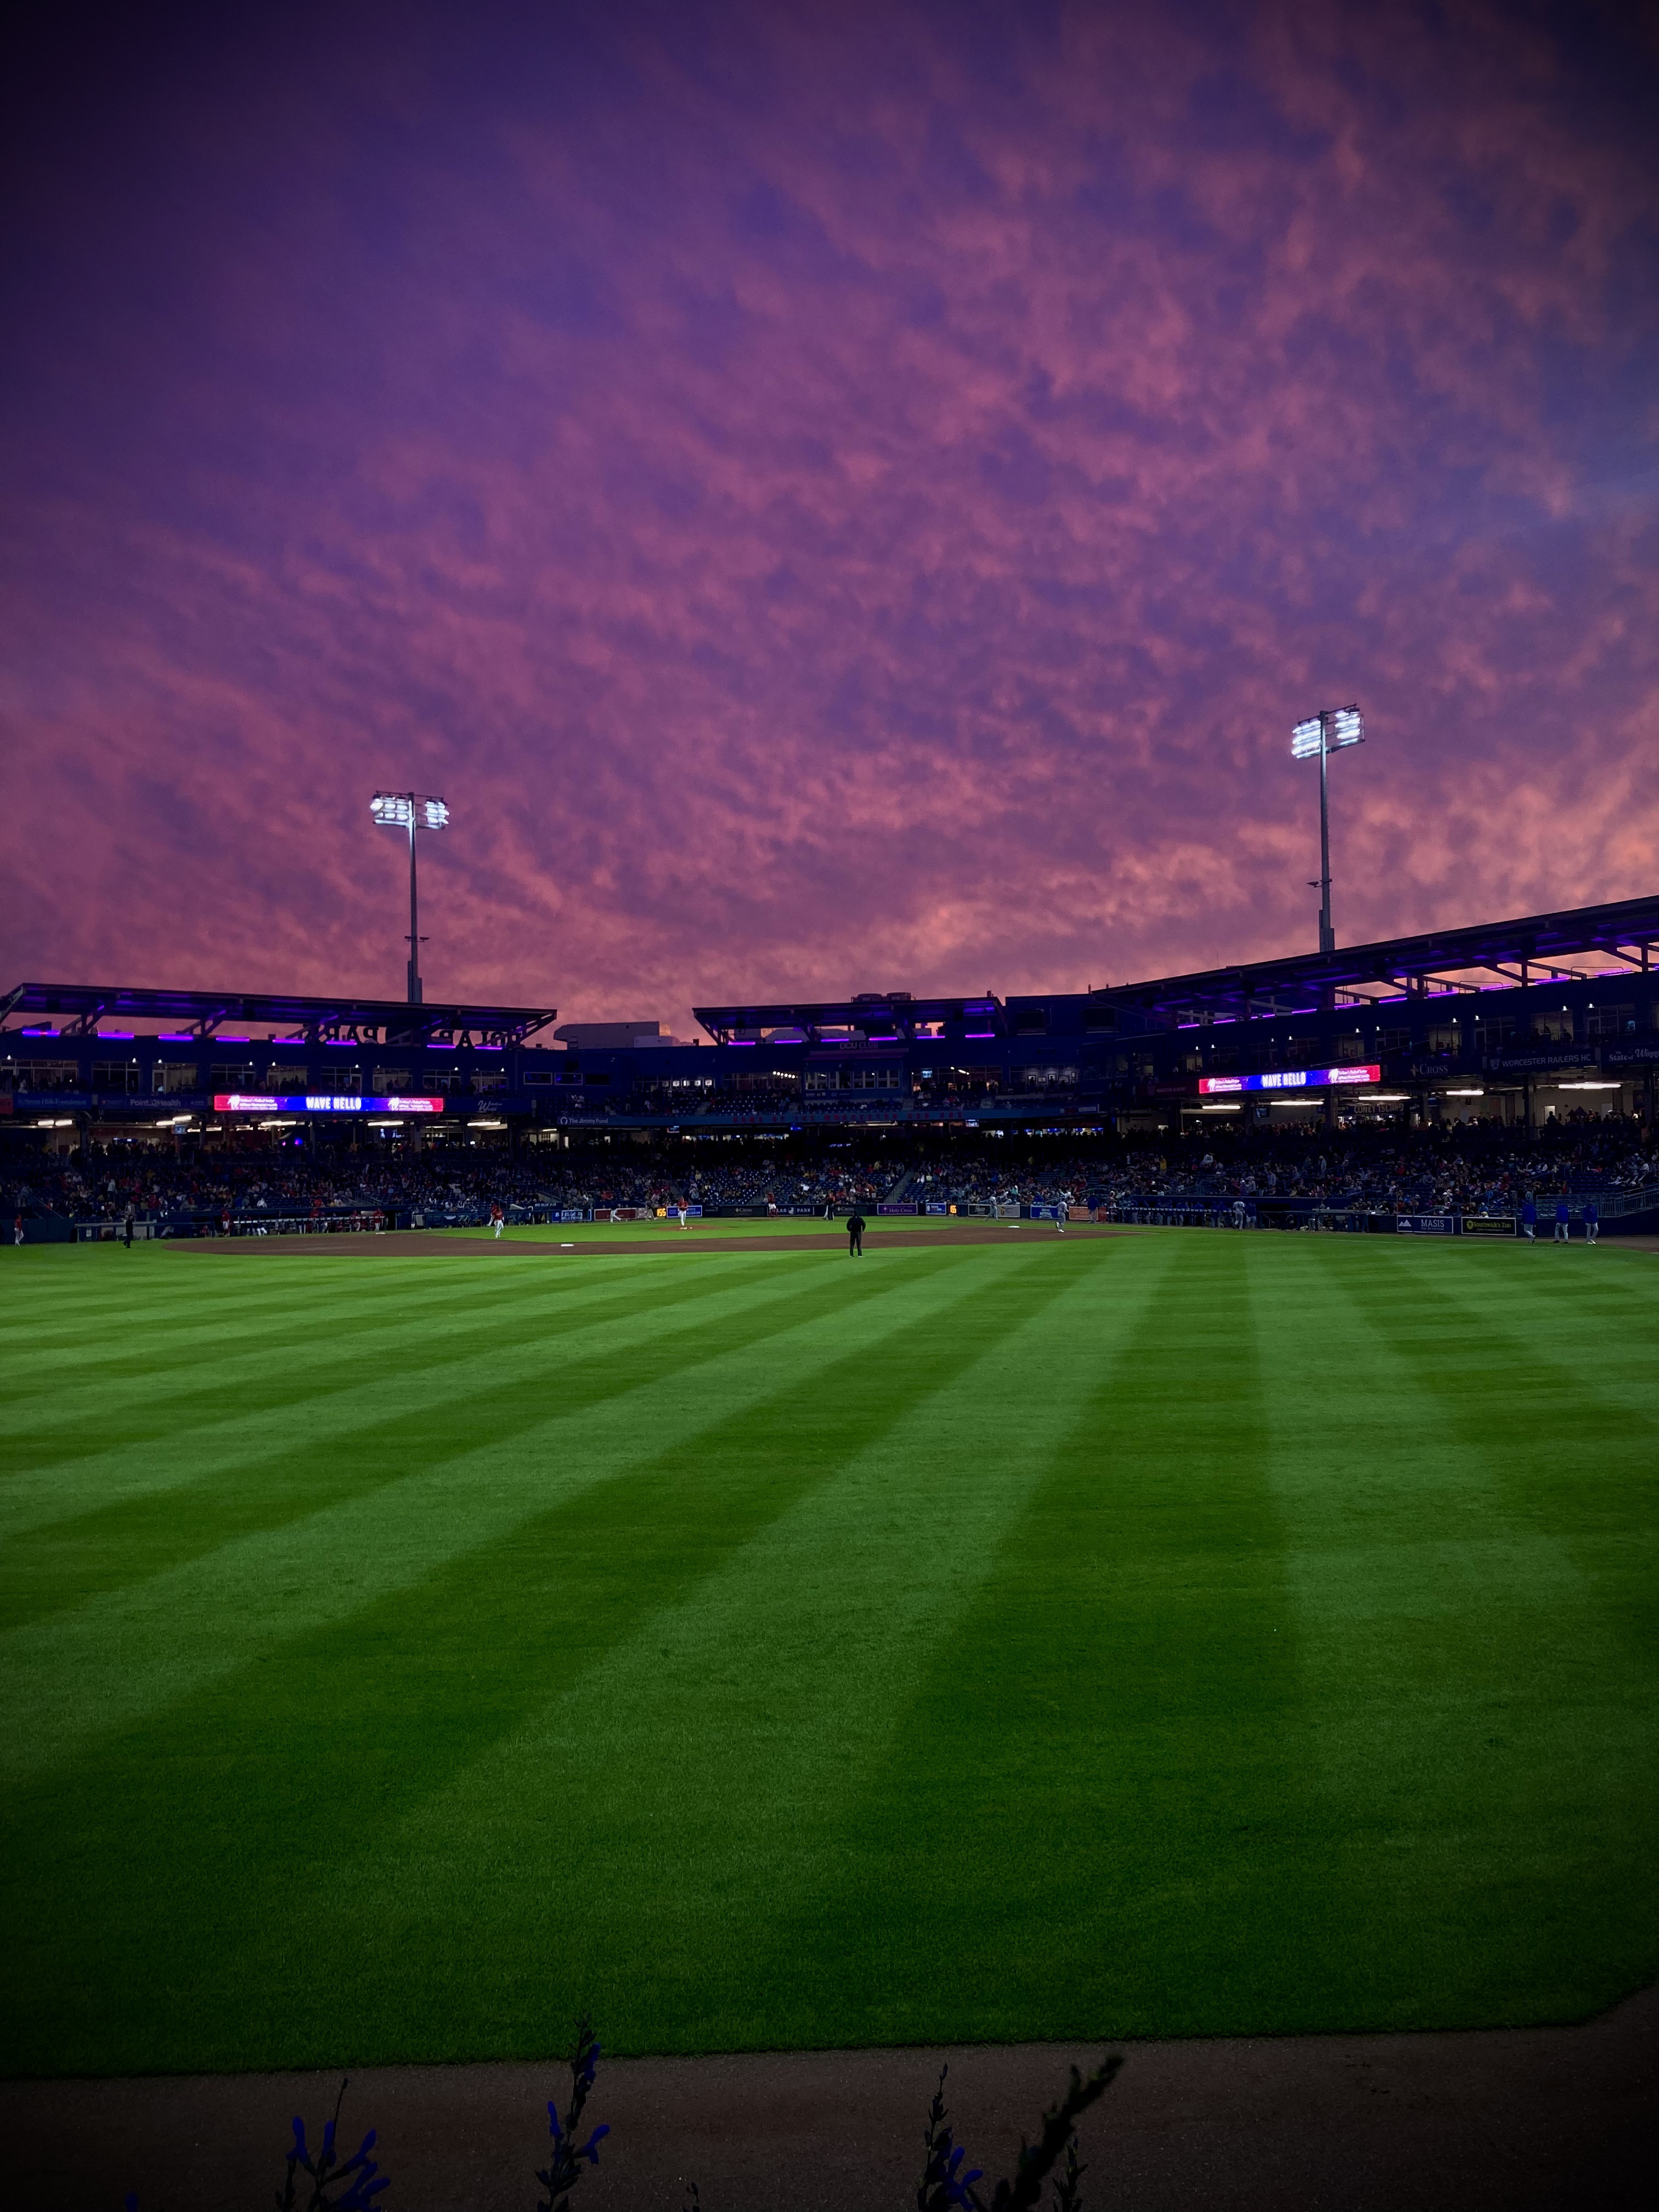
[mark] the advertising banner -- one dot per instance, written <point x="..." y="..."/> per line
<point x="1427" y="1224"/>
<point x="1489" y="1224"/>
<point x="1290" y="1079"/>
<point x="1540" y="1061"/>
<point x="314" y="1102"/>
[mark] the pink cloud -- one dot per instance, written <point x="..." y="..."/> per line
<point x="855" y="506"/>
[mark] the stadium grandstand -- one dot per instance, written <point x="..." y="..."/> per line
<point x="1432" y="1078"/>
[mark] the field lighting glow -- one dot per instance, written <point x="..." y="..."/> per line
<point x="1293" y="1079"/>
<point x="1337" y="727"/>
<point x="401" y="810"/>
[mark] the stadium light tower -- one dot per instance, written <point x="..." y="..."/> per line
<point x="1330" y="730"/>
<point x="414" y="812"/>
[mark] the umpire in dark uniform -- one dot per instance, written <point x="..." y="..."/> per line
<point x="855" y="1235"/>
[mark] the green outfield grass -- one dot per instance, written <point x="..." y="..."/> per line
<point x="699" y="1227"/>
<point x="1175" y="1633"/>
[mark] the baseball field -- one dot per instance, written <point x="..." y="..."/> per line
<point x="405" y="1648"/>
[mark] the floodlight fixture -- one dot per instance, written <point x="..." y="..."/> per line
<point x="413" y="812"/>
<point x="1330" y="730"/>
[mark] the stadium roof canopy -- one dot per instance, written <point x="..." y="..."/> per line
<point x="882" y="1017"/>
<point x="1534" y="949"/>
<point x="81" y="1007"/>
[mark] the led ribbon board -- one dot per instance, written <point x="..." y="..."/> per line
<point x="1290" y="1079"/>
<point x="314" y="1102"/>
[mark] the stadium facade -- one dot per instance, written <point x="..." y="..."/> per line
<point x="1524" y="1020"/>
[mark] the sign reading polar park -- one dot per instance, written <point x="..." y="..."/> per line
<point x="318" y="1102"/>
<point x="1290" y="1079"/>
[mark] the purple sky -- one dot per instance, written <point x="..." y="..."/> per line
<point x="835" y="499"/>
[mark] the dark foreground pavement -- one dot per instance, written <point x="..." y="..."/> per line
<point x="1532" y="2118"/>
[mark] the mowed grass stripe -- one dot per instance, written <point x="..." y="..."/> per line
<point x="1117" y="1774"/>
<point x="222" y="1492"/>
<point x="1088" y="1821"/>
<point x="1478" y="1738"/>
<point x="193" y="1317"/>
<point x="130" y="1652"/>
<point x="1585" y="1332"/>
<point x="56" y="1312"/>
<point x="205" y="1347"/>
<point x="705" y="1763"/>
<point x="1547" y="1423"/>
<point x="352" y="1405"/>
<point x="334" y="1732"/>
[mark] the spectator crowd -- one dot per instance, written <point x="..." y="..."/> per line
<point x="1464" y="1169"/>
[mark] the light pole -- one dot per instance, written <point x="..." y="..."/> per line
<point x="414" y="812"/>
<point x="1330" y="730"/>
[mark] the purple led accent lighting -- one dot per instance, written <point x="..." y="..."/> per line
<point x="747" y="1043"/>
<point x="112" y="1035"/>
<point x="38" y="1032"/>
<point x="178" y="1036"/>
<point x="979" y="1033"/>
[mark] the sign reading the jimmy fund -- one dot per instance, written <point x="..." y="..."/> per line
<point x="316" y="1101"/>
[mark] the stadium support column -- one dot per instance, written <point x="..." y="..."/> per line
<point x="1332" y="730"/>
<point x="1326" y="934"/>
<point x="411" y="810"/>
